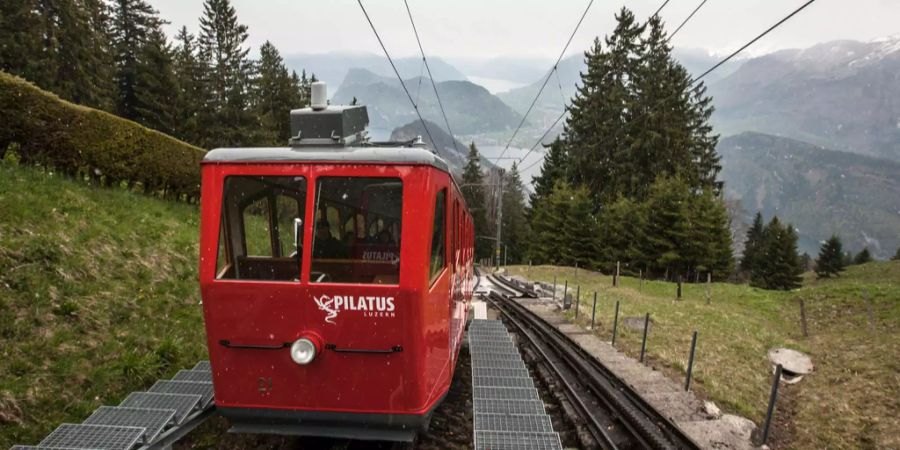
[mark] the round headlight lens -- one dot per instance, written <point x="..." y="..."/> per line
<point x="303" y="351"/>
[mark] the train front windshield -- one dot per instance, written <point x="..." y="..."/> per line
<point x="357" y="230"/>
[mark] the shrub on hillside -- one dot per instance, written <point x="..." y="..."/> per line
<point x="80" y="140"/>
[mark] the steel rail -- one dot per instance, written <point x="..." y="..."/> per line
<point x="642" y="423"/>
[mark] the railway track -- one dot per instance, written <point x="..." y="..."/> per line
<point x="614" y="415"/>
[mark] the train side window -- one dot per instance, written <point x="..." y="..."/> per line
<point x="260" y="217"/>
<point x="357" y="230"/>
<point x="438" y="236"/>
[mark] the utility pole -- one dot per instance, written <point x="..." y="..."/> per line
<point x="499" y="216"/>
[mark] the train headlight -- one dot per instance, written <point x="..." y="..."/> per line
<point x="303" y="351"/>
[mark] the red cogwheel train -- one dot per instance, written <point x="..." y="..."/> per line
<point x="335" y="275"/>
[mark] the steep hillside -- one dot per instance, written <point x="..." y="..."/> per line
<point x="470" y="108"/>
<point x="98" y="297"/>
<point x="445" y="146"/>
<point x="841" y="95"/>
<point x="820" y="191"/>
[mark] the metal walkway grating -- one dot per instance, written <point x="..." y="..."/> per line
<point x="506" y="393"/>
<point x="35" y="447"/>
<point x="504" y="373"/>
<point x="153" y="421"/>
<point x="502" y="440"/>
<point x="143" y="420"/>
<point x="510" y="382"/>
<point x="494" y="406"/>
<point x="521" y="423"/>
<point x="200" y="376"/>
<point x="102" y="437"/>
<point x="508" y="410"/>
<point x="181" y="403"/>
<point x="204" y="390"/>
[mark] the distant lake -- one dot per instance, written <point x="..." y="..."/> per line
<point x="495" y="85"/>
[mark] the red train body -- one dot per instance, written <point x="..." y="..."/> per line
<point x="363" y="252"/>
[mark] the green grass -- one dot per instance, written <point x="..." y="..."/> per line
<point x="98" y="297"/>
<point x="851" y="400"/>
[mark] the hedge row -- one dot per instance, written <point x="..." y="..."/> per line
<point x="78" y="140"/>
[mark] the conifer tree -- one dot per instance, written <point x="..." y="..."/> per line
<point x="514" y="225"/>
<point x="896" y="256"/>
<point x="274" y="95"/>
<point x="549" y="242"/>
<point x="752" y="243"/>
<point x="778" y="266"/>
<point x="60" y="45"/>
<point x="188" y="75"/>
<point x="580" y="230"/>
<point x="553" y="169"/>
<point x="668" y="227"/>
<point x="863" y="256"/>
<point x="226" y="118"/>
<point x="133" y="24"/>
<point x="155" y="86"/>
<point x="831" y="258"/>
<point x="596" y="138"/>
<point x="474" y="193"/>
<point x="622" y="229"/>
<point x="21" y="41"/>
<point x="710" y="236"/>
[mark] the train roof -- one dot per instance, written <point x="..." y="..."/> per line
<point x="367" y="154"/>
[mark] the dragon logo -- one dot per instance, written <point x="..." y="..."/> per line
<point x="326" y="304"/>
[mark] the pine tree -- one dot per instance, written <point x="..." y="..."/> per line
<point x="831" y="258"/>
<point x="515" y="231"/>
<point x="896" y="256"/>
<point x="274" y="95"/>
<point x="752" y="244"/>
<point x="549" y="243"/>
<point x="553" y="169"/>
<point x="779" y="266"/>
<point x="597" y="139"/>
<point x="710" y="236"/>
<point x="155" y="87"/>
<point x="668" y="227"/>
<point x="60" y="45"/>
<point x="189" y="75"/>
<point x="474" y="193"/>
<point x="622" y="228"/>
<point x="863" y="256"/>
<point x="580" y="230"/>
<point x="133" y="25"/>
<point x="21" y="41"/>
<point x="226" y="118"/>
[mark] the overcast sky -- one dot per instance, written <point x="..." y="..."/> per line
<point x="487" y="28"/>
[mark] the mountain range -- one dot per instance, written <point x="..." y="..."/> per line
<point x="843" y="95"/>
<point x="332" y="67"/>
<point x="820" y="191"/>
<point x="470" y="108"/>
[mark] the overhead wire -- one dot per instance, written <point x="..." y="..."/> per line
<point x="396" y="72"/>
<point x="669" y="38"/>
<point x="695" y="80"/>
<point x="546" y="79"/>
<point x="430" y="76"/>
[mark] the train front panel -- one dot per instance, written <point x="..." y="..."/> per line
<point x="331" y="260"/>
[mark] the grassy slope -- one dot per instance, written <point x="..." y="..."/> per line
<point x="98" y="297"/>
<point x="851" y="399"/>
